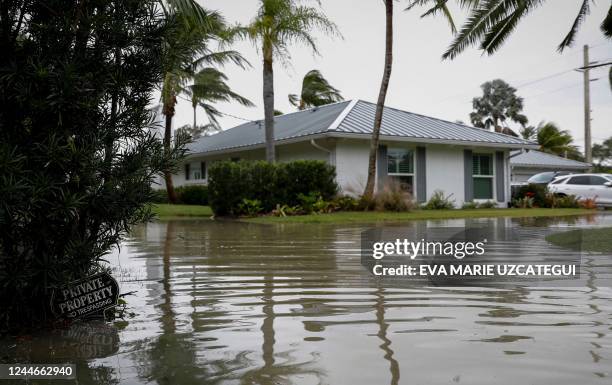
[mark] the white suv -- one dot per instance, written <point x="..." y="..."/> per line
<point x="595" y="186"/>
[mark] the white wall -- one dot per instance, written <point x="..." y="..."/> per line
<point x="352" y="165"/>
<point x="444" y="171"/>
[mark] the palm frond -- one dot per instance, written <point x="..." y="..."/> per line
<point x="193" y="12"/>
<point x="571" y="35"/>
<point x="490" y="20"/>
<point x="606" y="24"/>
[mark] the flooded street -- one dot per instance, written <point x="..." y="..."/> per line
<point x="239" y="303"/>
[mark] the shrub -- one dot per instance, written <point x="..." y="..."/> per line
<point x="271" y="184"/>
<point x="346" y="203"/>
<point x="525" y="202"/>
<point x="77" y="156"/>
<point x="192" y="195"/>
<point x="249" y="207"/>
<point x="469" y="206"/>
<point x="159" y="196"/>
<point x="562" y="201"/>
<point x="535" y="191"/>
<point x="439" y="201"/>
<point x="487" y="205"/>
<point x="587" y="203"/>
<point x="390" y="198"/>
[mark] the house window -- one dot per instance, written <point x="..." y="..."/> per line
<point x="482" y="172"/>
<point x="400" y="167"/>
<point x="195" y="171"/>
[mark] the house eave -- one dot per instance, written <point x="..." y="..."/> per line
<point x="365" y="136"/>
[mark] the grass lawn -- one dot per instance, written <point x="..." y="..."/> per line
<point x="599" y="240"/>
<point x="165" y="211"/>
<point x="370" y="216"/>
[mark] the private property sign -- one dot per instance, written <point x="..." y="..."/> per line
<point x="86" y="296"/>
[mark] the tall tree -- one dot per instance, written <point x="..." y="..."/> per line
<point x="278" y="24"/>
<point x="188" y="48"/>
<point x="380" y="103"/>
<point x="384" y="86"/>
<point x="556" y="141"/>
<point x="316" y="91"/>
<point x="496" y="106"/>
<point x="210" y="87"/>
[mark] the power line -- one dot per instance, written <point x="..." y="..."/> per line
<point x="223" y="113"/>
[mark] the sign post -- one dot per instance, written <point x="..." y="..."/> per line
<point x="84" y="297"/>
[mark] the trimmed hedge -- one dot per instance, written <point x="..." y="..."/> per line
<point x="187" y="195"/>
<point x="230" y="183"/>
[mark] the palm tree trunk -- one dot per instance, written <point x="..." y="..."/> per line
<point x="380" y="104"/>
<point x="268" y="97"/>
<point x="194" y="118"/>
<point x="167" y="173"/>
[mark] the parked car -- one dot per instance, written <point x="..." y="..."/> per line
<point x="544" y="178"/>
<point x="585" y="186"/>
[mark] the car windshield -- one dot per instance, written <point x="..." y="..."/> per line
<point x="543" y="177"/>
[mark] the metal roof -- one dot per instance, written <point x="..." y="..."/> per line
<point x="355" y="119"/>
<point x="535" y="158"/>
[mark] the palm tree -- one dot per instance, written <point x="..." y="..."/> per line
<point x="556" y="141"/>
<point x="491" y="22"/>
<point x="384" y="85"/>
<point x="209" y="87"/>
<point x="380" y="104"/>
<point x="316" y="91"/>
<point x="279" y="23"/>
<point x="528" y="133"/>
<point x="186" y="48"/>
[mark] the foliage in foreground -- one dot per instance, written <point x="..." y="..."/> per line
<point x="76" y="156"/>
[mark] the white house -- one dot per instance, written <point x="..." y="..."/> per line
<point x="424" y="154"/>
<point x="525" y="164"/>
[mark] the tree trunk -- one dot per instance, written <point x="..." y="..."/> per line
<point x="167" y="173"/>
<point x="380" y="104"/>
<point x="194" y="118"/>
<point x="268" y="97"/>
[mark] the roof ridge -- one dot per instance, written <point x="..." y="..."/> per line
<point x="342" y="115"/>
<point x="448" y="121"/>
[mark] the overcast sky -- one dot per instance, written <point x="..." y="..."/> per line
<point x="421" y="82"/>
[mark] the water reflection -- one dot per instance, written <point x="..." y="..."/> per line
<point x="226" y="302"/>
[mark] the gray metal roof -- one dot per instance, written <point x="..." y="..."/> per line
<point x="535" y="158"/>
<point x="354" y="118"/>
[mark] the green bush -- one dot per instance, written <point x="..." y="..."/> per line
<point x="562" y="202"/>
<point x="159" y="196"/>
<point x="271" y="184"/>
<point x="77" y="156"/>
<point x="346" y="203"/>
<point x="469" y="206"/>
<point x="535" y="191"/>
<point x="487" y="205"/>
<point x="192" y="195"/>
<point x="250" y="207"/>
<point x="186" y="195"/>
<point x="439" y="201"/>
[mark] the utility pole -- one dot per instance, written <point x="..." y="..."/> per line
<point x="587" y="107"/>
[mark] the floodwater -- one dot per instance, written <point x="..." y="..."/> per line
<point x="238" y="303"/>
